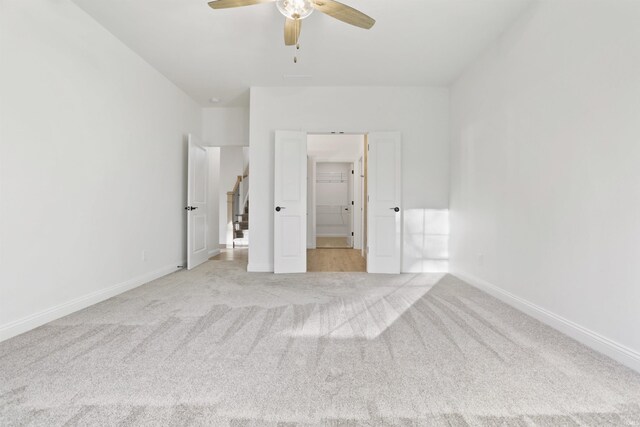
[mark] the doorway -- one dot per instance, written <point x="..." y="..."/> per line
<point x="334" y="202"/>
<point x="334" y="205"/>
<point x="294" y="225"/>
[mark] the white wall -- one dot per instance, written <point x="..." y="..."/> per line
<point x="421" y="114"/>
<point x="92" y="165"/>
<point x="245" y="159"/>
<point x="335" y="148"/>
<point x="426" y="233"/>
<point x="213" y="217"/>
<point x="545" y="199"/>
<point x="225" y="126"/>
<point x="231" y="165"/>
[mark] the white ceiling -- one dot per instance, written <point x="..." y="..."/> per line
<point x="221" y="53"/>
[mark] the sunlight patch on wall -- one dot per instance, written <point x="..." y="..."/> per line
<point x="426" y="241"/>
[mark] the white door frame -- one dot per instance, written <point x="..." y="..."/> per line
<point x="311" y="203"/>
<point x="359" y="205"/>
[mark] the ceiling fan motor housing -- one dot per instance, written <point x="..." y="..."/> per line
<point x="295" y="9"/>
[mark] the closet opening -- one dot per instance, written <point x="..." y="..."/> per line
<point x="336" y="205"/>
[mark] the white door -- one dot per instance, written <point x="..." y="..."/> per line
<point x="350" y="205"/>
<point x="384" y="188"/>
<point x="290" y="203"/>
<point x="198" y="173"/>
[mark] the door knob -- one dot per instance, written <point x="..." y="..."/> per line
<point x="396" y="209"/>
<point x="191" y="208"/>
<point x="278" y="208"/>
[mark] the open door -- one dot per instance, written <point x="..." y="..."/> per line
<point x="384" y="208"/>
<point x="290" y="198"/>
<point x="351" y="206"/>
<point x="198" y="173"/>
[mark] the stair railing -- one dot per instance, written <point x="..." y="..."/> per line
<point x="244" y="193"/>
<point x="233" y="207"/>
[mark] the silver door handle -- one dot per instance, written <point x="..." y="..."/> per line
<point x="279" y="208"/>
<point x="396" y="209"/>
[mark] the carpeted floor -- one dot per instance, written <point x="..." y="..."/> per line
<point x="219" y="346"/>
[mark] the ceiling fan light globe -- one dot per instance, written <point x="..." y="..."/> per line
<point x="295" y="9"/>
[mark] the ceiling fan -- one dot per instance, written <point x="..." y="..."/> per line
<point x="297" y="10"/>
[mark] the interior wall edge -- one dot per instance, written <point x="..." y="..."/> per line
<point x="259" y="268"/>
<point x="591" y="339"/>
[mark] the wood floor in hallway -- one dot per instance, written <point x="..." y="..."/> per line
<point x="333" y="242"/>
<point x="232" y="254"/>
<point x="318" y="260"/>
<point x="335" y="260"/>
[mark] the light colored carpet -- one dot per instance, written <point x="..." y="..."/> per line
<point x="219" y="346"/>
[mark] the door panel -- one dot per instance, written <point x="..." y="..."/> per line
<point x="290" y="241"/>
<point x="198" y="173"/>
<point x="385" y="232"/>
<point x="384" y="190"/>
<point x="290" y="198"/>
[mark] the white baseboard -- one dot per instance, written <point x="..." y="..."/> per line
<point x="260" y="268"/>
<point x="597" y="342"/>
<point x="213" y="252"/>
<point x="50" y="314"/>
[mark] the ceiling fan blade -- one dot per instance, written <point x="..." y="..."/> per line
<point x="225" y="4"/>
<point x="292" y="29"/>
<point x="344" y="13"/>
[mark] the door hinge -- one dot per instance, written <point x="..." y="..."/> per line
<point x="352" y="203"/>
<point x="351" y="171"/>
<point x="352" y="233"/>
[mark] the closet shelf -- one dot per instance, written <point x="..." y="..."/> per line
<point x="331" y="177"/>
